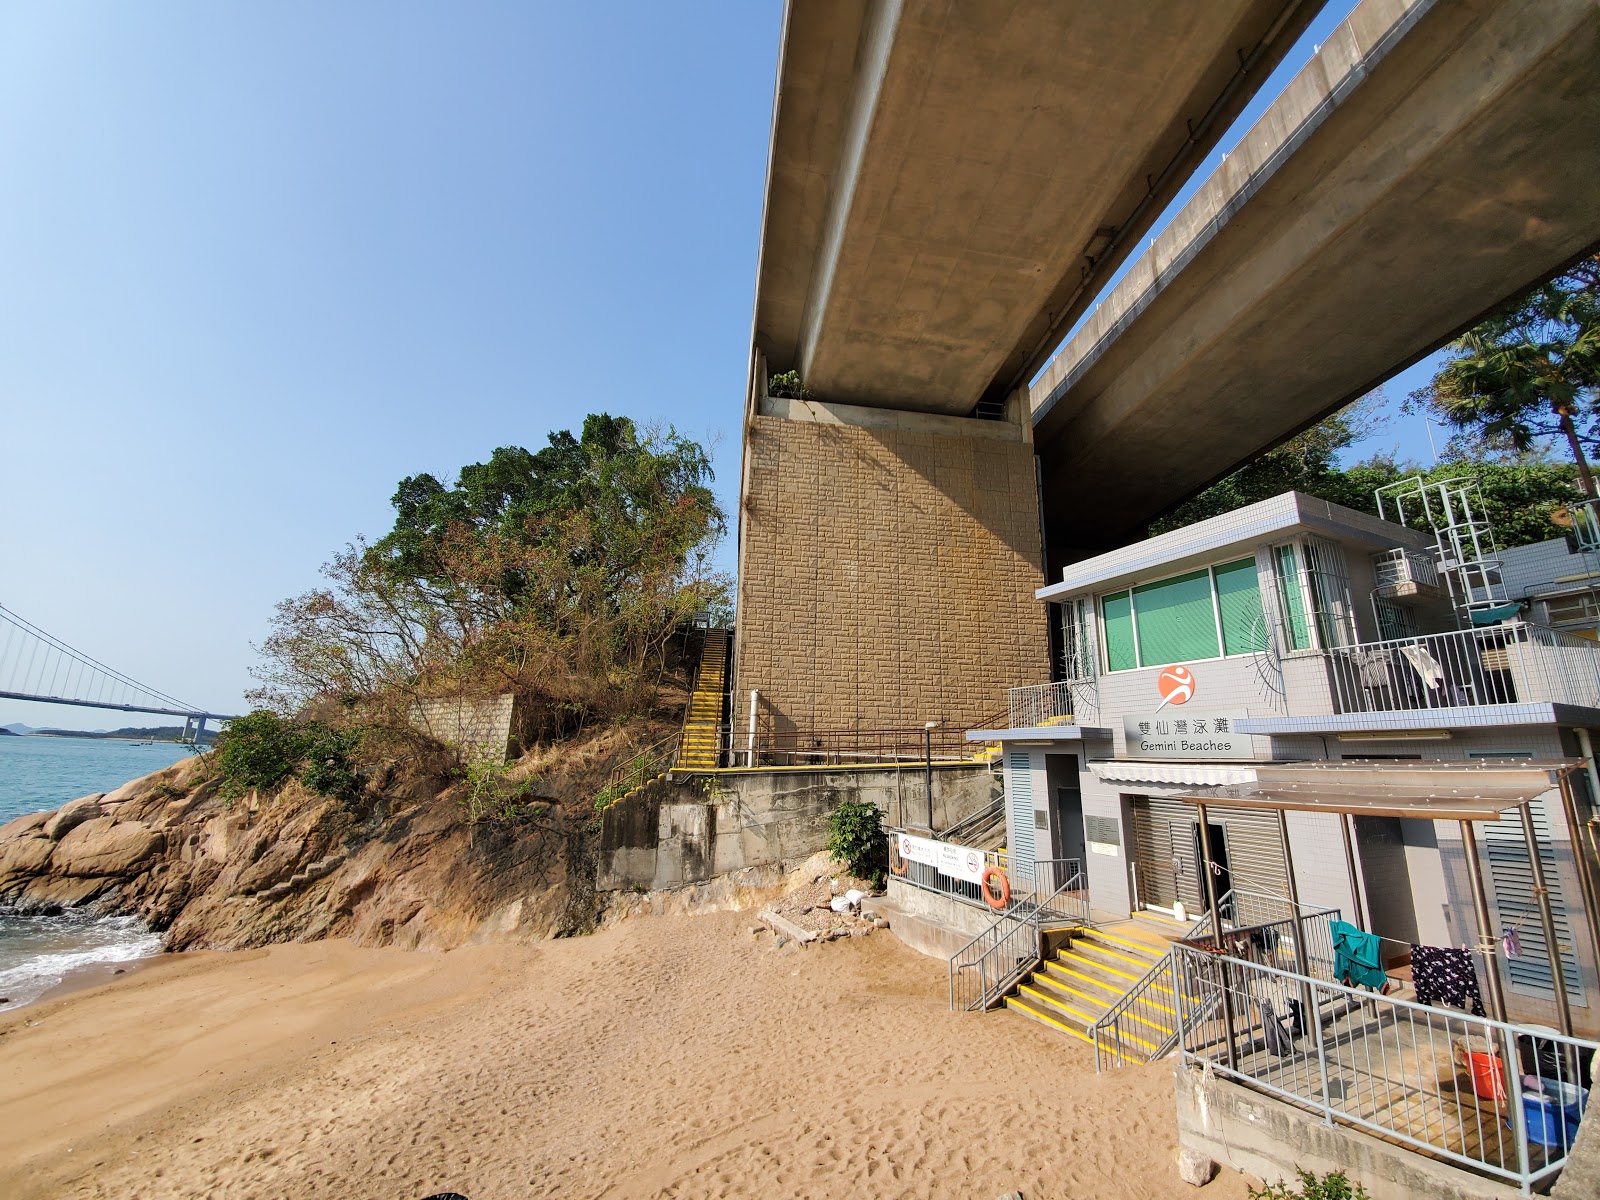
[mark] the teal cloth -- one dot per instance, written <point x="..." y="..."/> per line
<point x="1493" y="616"/>
<point x="1356" y="961"/>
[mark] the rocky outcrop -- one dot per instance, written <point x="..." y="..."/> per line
<point x="401" y="866"/>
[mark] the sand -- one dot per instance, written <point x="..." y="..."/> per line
<point x="669" y="1056"/>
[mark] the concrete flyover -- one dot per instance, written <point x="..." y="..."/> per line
<point x="948" y="182"/>
<point x="1434" y="159"/>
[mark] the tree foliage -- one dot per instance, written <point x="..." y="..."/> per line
<point x="1526" y="373"/>
<point x="264" y="750"/>
<point x="559" y="575"/>
<point x="856" y="838"/>
<point x="1519" y="496"/>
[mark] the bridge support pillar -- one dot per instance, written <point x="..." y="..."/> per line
<point x="887" y="565"/>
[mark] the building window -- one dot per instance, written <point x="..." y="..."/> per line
<point x="1202" y="614"/>
<point x="1313" y="594"/>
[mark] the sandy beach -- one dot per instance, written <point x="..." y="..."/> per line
<point x="667" y="1056"/>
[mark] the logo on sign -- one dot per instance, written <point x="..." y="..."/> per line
<point x="1176" y="686"/>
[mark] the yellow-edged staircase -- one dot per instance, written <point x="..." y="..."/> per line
<point x="1086" y="978"/>
<point x="700" y="747"/>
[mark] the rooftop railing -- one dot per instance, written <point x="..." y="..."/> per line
<point x="1511" y="663"/>
<point x="1039" y="704"/>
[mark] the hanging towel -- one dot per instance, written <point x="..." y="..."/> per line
<point x="1512" y="943"/>
<point x="1444" y="975"/>
<point x="1424" y="664"/>
<point x="1280" y="1044"/>
<point x="1356" y="958"/>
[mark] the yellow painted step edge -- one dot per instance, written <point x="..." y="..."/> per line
<point x="1085" y="944"/>
<point x="1053" y="1002"/>
<point x="1047" y="1019"/>
<point x="1115" y="989"/>
<point x="1145" y="947"/>
<point x="1044" y="979"/>
<point x="1083" y="960"/>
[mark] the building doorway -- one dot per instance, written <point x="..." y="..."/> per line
<point x="1066" y="810"/>
<point x="1217" y="834"/>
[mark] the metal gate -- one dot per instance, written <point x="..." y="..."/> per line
<point x="1164" y="856"/>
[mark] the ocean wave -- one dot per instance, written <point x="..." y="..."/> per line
<point x="37" y="953"/>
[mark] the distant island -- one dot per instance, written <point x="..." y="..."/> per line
<point x="4" y="732"/>
<point x="159" y="733"/>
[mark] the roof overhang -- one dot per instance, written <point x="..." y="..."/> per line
<point x="1205" y="541"/>
<point x="1440" y="791"/>
<point x="1039" y="733"/>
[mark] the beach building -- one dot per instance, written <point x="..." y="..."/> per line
<point x="1274" y="736"/>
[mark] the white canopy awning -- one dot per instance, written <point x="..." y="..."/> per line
<point x="1187" y="774"/>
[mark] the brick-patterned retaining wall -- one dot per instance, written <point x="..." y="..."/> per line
<point x="887" y="568"/>
<point x="481" y="729"/>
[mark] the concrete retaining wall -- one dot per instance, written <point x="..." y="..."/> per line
<point x="671" y="834"/>
<point x="1269" y="1139"/>
<point x="932" y="924"/>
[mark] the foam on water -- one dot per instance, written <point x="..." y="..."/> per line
<point x="37" y="953"/>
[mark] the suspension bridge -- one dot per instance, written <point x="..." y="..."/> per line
<point x="37" y="666"/>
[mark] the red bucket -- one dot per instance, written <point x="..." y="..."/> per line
<point x="1488" y="1075"/>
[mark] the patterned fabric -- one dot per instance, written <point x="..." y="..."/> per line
<point x="1444" y="975"/>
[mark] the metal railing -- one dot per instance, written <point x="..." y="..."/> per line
<point x="1046" y="890"/>
<point x="847" y="747"/>
<point x="978" y="826"/>
<point x="1039" y="704"/>
<point x="1239" y="906"/>
<point x="1512" y="663"/>
<point x="991" y="964"/>
<point x="1585" y="516"/>
<point x="1143" y="1025"/>
<point x="643" y="766"/>
<point x="1494" y="1097"/>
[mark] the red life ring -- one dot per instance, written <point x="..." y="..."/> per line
<point x="896" y="857"/>
<point x="999" y="902"/>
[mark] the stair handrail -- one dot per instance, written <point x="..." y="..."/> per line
<point x="983" y="817"/>
<point x="643" y="766"/>
<point x="1106" y="1032"/>
<point x="1016" y="933"/>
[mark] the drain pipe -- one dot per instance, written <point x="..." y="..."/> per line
<point x="750" y="745"/>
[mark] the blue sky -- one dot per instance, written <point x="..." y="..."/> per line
<point x="258" y="262"/>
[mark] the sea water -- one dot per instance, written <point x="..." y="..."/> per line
<point x="38" y="773"/>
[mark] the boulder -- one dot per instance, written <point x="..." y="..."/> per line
<point x="1195" y="1167"/>
<point x="23" y="826"/>
<point x="72" y="814"/>
<point x="103" y="847"/>
<point x="23" y="858"/>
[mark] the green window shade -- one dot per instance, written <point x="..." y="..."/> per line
<point x="1293" y="600"/>
<point x="1176" y="620"/>
<point x="1239" y="601"/>
<point x="1118" y="615"/>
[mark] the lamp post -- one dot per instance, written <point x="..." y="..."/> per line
<point x="927" y="767"/>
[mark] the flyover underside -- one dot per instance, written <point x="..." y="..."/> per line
<point x="887" y="569"/>
<point x="1460" y="172"/>
<point x="948" y="183"/>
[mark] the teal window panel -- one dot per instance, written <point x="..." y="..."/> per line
<point x="1176" y="619"/>
<point x="1117" y="616"/>
<point x="1294" y="604"/>
<point x="1244" y="627"/>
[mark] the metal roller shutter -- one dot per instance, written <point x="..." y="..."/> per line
<point x="1163" y="837"/>
<point x="1512" y="880"/>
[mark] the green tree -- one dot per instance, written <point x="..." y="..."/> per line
<point x="1306" y="463"/>
<point x="1528" y="372"/>
<point x="558" y="575"/>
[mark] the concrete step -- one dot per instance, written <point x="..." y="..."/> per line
<point x="1022" y="1007"/>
